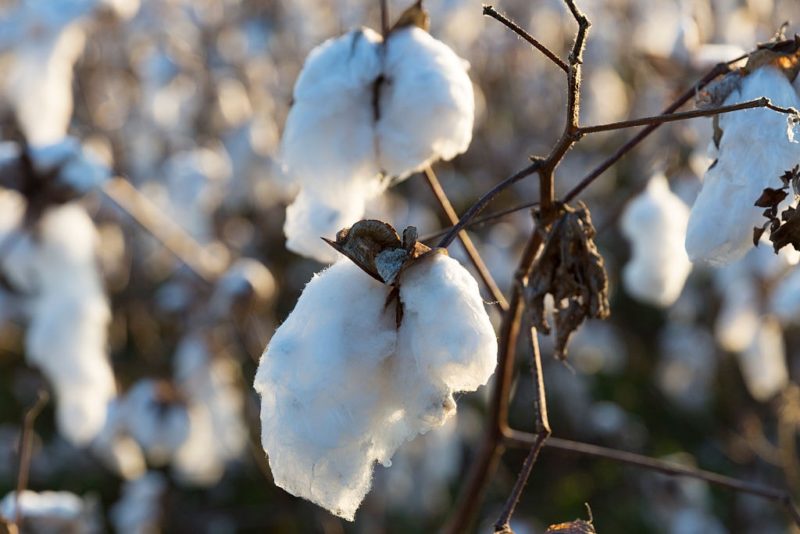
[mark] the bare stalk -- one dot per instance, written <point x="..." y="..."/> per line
<point x="516" y="438"/>
<point x="513" y="26"/>
<point x="469" y="247"/>
<point x="26" y="448"/>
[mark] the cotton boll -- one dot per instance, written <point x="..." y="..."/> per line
<point x="655" y="224"/>
<point x="69" y="316"/>
<point x="763" y="362"/>
<point x="79" y="170"/>
<point x="50" y="511"/>
<point x="312" y="216"/>
<point x="116" y="449"/>
<point x="738" y="319"/>
<point x="329" y="136"/>
<point x="785" y="299"/>
<point x="445" y="325"/>
<point x="217" y="432"/>
<point x="426" y="103"/>
<point x="754" y="152"/>
<point x="139" y="510"/>
<point x="322" y="380"/>
<point x="686" y="366"/>
<point x="341" y="387"/>
<point x="156" y="420"/>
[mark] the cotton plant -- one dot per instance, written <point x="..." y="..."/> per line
<point x="754" y="149"/>
<point x="655" y="225"/>
<point x="369" y="358"/>
<point x="393" y="105"/>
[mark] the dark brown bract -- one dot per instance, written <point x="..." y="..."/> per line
<point x="572" y="271"/>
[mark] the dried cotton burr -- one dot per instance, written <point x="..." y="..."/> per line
<point x="655" y="225"/>
<point x="391" y="107"/>
<point x="754" y="150"/>
<point x="343" y="385"/>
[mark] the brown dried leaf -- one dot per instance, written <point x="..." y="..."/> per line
<point x="572" y="271"/>
<point x="771" y="197"/>
<point x="579" y="526"/>
<point x="783" y="55"/>
<point x="787" y="233"/>
<point x="757" y="233"/>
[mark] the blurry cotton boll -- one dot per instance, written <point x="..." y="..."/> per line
<point x="655" y="225"/>
<point x="50" y="511"/>
<point x="246" y="283"/>
<point x="68" y="316"/>
<point x="687" y="365"/>
<point x="785" y="299"/>
<point x="667" y="30"/>
<point x="157" y="419"/>
<point x="77" y="169"/>
<point x="391" y="109"/>
<point x="139" y="510"/>
<point x="754" y="151"/>
<point x="763" y="362"/>
<point x="607" y="98"/>
<point x="212" y="387"/>
<point x="116" y="449"/>
<point x="38" y="84"/>
<point x="342" y="387"/>
<point x="598" y="347"/>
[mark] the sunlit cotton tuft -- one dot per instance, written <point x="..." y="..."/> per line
<point x="367" y="113"/>
<point x="342" y="387"/>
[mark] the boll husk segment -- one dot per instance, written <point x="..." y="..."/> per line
<point x="755" y="148"/>
<point x="655" y="225"/>
<point x="342" y="386"/>
<point x="390" y="108"/>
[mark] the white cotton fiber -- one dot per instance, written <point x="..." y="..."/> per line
<point x="312" y="216"/>
<point x="763" y="362"/>
<point x="329" y="136"/>
<point x="426" y="104"/>
<point x="655" y="225"/>
<point x="341" y="387"/>
<point x="754" y="152"/>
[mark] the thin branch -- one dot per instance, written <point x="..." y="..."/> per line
<point x="174" y="238"/>
<point x="482" y="220"/>
<point x="524" y="439"/>
<point x="543" y="432"/>
<point x="762" y="102"/>
<point x="484" y="201"/>
<point x="469" y="247"/>
<point x="384" y="18"/>
<point x="492" y="446"/>
<point x="26" y="448"/>
<point x="719" y="69"/>
<point x="513" y="26"/>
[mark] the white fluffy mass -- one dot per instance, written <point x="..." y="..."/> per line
<point x="342" y="387"/>
<point x="365" y="110"/>
<point x="754" y="151"/>
<point x="55" y="268"/>
<point x="763" y="362"/>
<point x="50" y="511"/>
<point x="655" y="225"/>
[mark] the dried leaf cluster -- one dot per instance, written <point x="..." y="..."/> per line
<point x="572" y="271"/>
<point x="784" y="230"/>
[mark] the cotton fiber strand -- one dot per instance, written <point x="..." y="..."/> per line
<point x="754" y="151"/>
<point x="341" y="387"/>
<point x="655" y="225"/>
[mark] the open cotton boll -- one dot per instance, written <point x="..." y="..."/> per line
<point x="329" y="135"/>
<point x="426" y="103"/>
<point x="755" y="150"/>
<point x="341" y="387"/>
<point x="763" y="362"/>
<point x="655" y="225"/>
<point x="315" y="215"/>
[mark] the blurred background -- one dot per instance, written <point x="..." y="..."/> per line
<point x="186" y="100"/>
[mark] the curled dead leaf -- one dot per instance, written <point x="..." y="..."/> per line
<point x="572" y="271"/>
